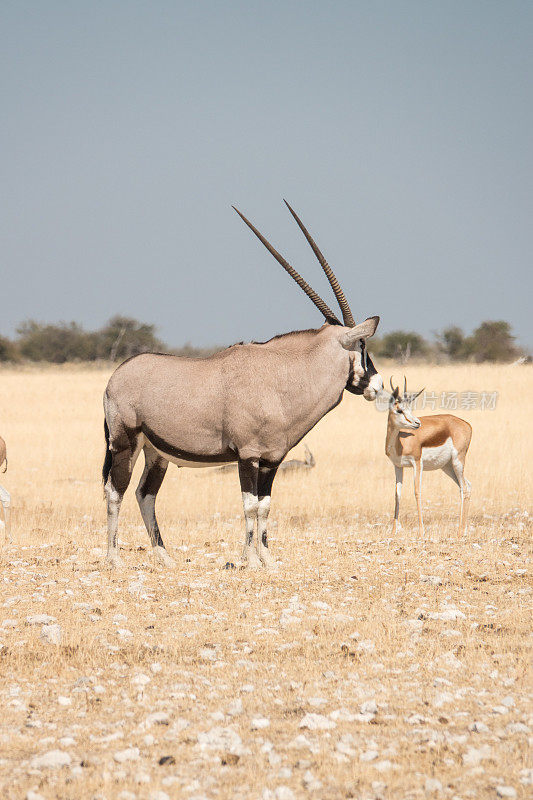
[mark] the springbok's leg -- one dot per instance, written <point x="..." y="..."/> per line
<point x="465" y="489"/>
<point x="5" y="502"/>
<point x="398" y="471"/>
<point x="248" y="476"/>
<point x="122" y="463"/>
<point x="155" y="467"/>
<point x="266" y="478"/>
<point x="417" y="475"/>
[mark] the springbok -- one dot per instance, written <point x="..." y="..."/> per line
<point x="439" y="441"/>
<point x="5" y="498"/>
<point x="249" y="404"/>
<point x="285" y="466"/>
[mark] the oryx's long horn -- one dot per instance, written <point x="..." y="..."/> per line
<point x="312" y="295"/>
<point x="339" y="294"/>
<point x="391" y="386"/>
<point x="404" y="385"/>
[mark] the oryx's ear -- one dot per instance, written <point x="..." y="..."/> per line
<point x="364" y="330"/>
<point x="396" y="393"/>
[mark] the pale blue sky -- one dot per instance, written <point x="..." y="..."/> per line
<point x="400" y="131"/>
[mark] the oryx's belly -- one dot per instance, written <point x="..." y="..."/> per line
<point x="184" y="458"/>
<point x="438" y="457"/>
<point x="182" y="462"/>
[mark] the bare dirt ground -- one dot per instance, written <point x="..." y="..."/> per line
<point x="366" y="668"/>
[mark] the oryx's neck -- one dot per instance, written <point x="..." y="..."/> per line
<point x="309" y="381"/>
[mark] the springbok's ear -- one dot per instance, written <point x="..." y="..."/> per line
<point x="364" y="330"/>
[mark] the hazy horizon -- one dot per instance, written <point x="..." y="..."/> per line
<point x="401" y="133"/>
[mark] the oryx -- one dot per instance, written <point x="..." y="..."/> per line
<point x="250" y="403"/>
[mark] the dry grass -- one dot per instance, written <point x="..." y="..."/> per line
<point x="349" y="619"/>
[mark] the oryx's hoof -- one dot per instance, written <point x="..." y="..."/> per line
<point x="113" y="560"/>
<point x="162" y="557"/>
<point x="268" y="562"/>
<point x="251" y="560"/>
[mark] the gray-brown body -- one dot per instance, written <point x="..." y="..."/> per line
<point x="250" y="403"/>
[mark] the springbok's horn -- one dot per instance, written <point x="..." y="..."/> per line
<point x="404" y="385"/>
<point x="312" y="295"/>
<point x="339" y="294"/>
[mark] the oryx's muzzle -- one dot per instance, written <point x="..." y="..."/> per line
<point x="375" y="386"/>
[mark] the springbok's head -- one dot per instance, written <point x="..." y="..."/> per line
<point x="400" y="407"/>
<point x="362" y="378"/>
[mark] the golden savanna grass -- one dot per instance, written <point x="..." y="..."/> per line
<point x="412" y="655"/>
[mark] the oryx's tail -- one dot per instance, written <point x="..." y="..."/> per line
<point x="108" y="459"/>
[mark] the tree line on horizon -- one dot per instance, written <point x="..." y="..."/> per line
<point x="122" y="337"/>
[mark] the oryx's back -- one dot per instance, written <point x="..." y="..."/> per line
<point x="177" y="403"/>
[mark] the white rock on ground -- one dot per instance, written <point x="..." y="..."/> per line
<point x="316" y="722"/>
<point x="219" y="738"/>
<point x="369" y="755"/>
<point x="474" y="755"/>
<point x="129" y="754"/>
<point x="140" y="680"/>
<point x="506" y="791"/>
<point x="279" y="793"/>
<point x="258" y="723"/>
<point x="40" y="619"/>
<point x="64" y="701"/>
<point x="342" y="715"/>
<point x="157" y="718"/>
<point x="369" y="707"/>
<point x="432" y="785"/>
<point x="51" y="760"/>
<point x="235" y="707"/>
<point x="51" y="634"/>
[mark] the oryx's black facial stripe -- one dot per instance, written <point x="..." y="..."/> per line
<point x="364" y="355"/>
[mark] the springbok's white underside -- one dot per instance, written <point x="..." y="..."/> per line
<point x="438" y="457"/>
<point x="432" y="457"/>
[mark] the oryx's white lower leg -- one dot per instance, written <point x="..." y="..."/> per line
<point x="250" y="504"/>
<point x="5" y="502"/>
<point x="262" y="542"/>
<point x="114" y="501"/>
<point x="267" y="473"/>
<point x="248" y="474"/>
<point x="116" y="484"/>
<point x="398" y="471"/>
